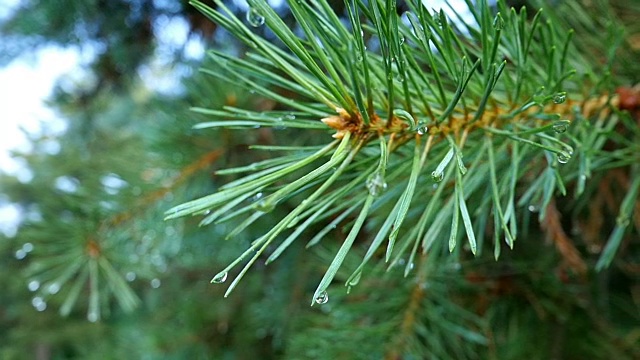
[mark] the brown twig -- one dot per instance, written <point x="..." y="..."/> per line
<point x="553" y="228"/>
<point x="409" y="319"/>
<point x="186" y="173"/>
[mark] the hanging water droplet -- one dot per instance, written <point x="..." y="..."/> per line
<point x="254" y="18"/>
<point x="220" y="278"/>
<point x="560" y="127"/>
<point x="257" y="196"/>
<point x="498" y="22"/>
<point x="27" y="247"/>
<point x="422" y="128"/>
<point x="130" y="276"/>
<point x="623" y="220"/>
<point x="560" y="97"/>
<point x="437" y="176"/>
<point x="20" y="254"/>
<point x="356" y="279"/>
<point x="563" y="157"/>
<point x="38" y="303"/>
<point x="155" y="283"/>
<point x="375" y="184"/>
<point x="93" y="316"/>
<point x="53" y="288"/>
<point x="265" y="206"/>
<point x="322" y="297"/>
<point x="33" y="285"/>
<point x="532" y="208"/>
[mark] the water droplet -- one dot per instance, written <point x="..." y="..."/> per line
<point x="422" y="128"/>
<point x="322" y="298"/>
<point x="265" y="206"/>
<point x="289" y="117"/>
<point x="33" y="285"/>
<point x="155" y="283"/>
<point x="356" y="279"/>
<point x="20" y="254"/>
<point x="53" y="288"/>
<point x="563" y="157"/>
<point x="401" y="40"/>
<point x="560" y="127"/>
<point x="375" y="184"/>
<point x="623" y="220"/>
<point x="130" y="276"/>
<point x="560" y="97"/>
<point x="498" y="22"/>
<point x="27" y="247"/>
<point x="38" y="303"/>
<point x="437" y="176"/>
<point x="93" y="316"/>
<point x="254" y="18"/>
<point x="220" y="278"/>
<point x="257" y="196"/>
<point x="532" y="208"/>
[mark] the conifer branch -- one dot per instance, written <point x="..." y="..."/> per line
<point x="498" y="96"/>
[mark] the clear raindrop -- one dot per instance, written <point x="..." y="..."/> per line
<point x="220" y="278"/>
<point x="560" y="97"/>
<point x="356" y="279"/>
<point x="33" y="285"/>
<point x="498" y="22"/>
<point x="265" y="206"/>
<point x="93" y="316"/>
<point x="155" y="283"/>
<point x="560" y="127"/>
<point x="437" y="176"/>
<point x="20" y="254"/>
<point x="254" y="18"/>
<point x="421" y="128"/>
<point x="376" y="184"/>
<point x="27" y="247"/>
<point x="53" y="288"/>
<point x="38" y="303"/>
<point x="322" y="298"/>
<point x="563" y="157"/>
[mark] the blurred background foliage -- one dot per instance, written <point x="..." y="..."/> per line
<point x="91" y="243"/>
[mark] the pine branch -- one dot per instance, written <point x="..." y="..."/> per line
<point x="502" y="96"/>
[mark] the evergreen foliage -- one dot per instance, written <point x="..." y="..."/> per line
<point x="437" y="185"/>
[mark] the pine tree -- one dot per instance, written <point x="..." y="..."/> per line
<point x="436" y="185"/>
